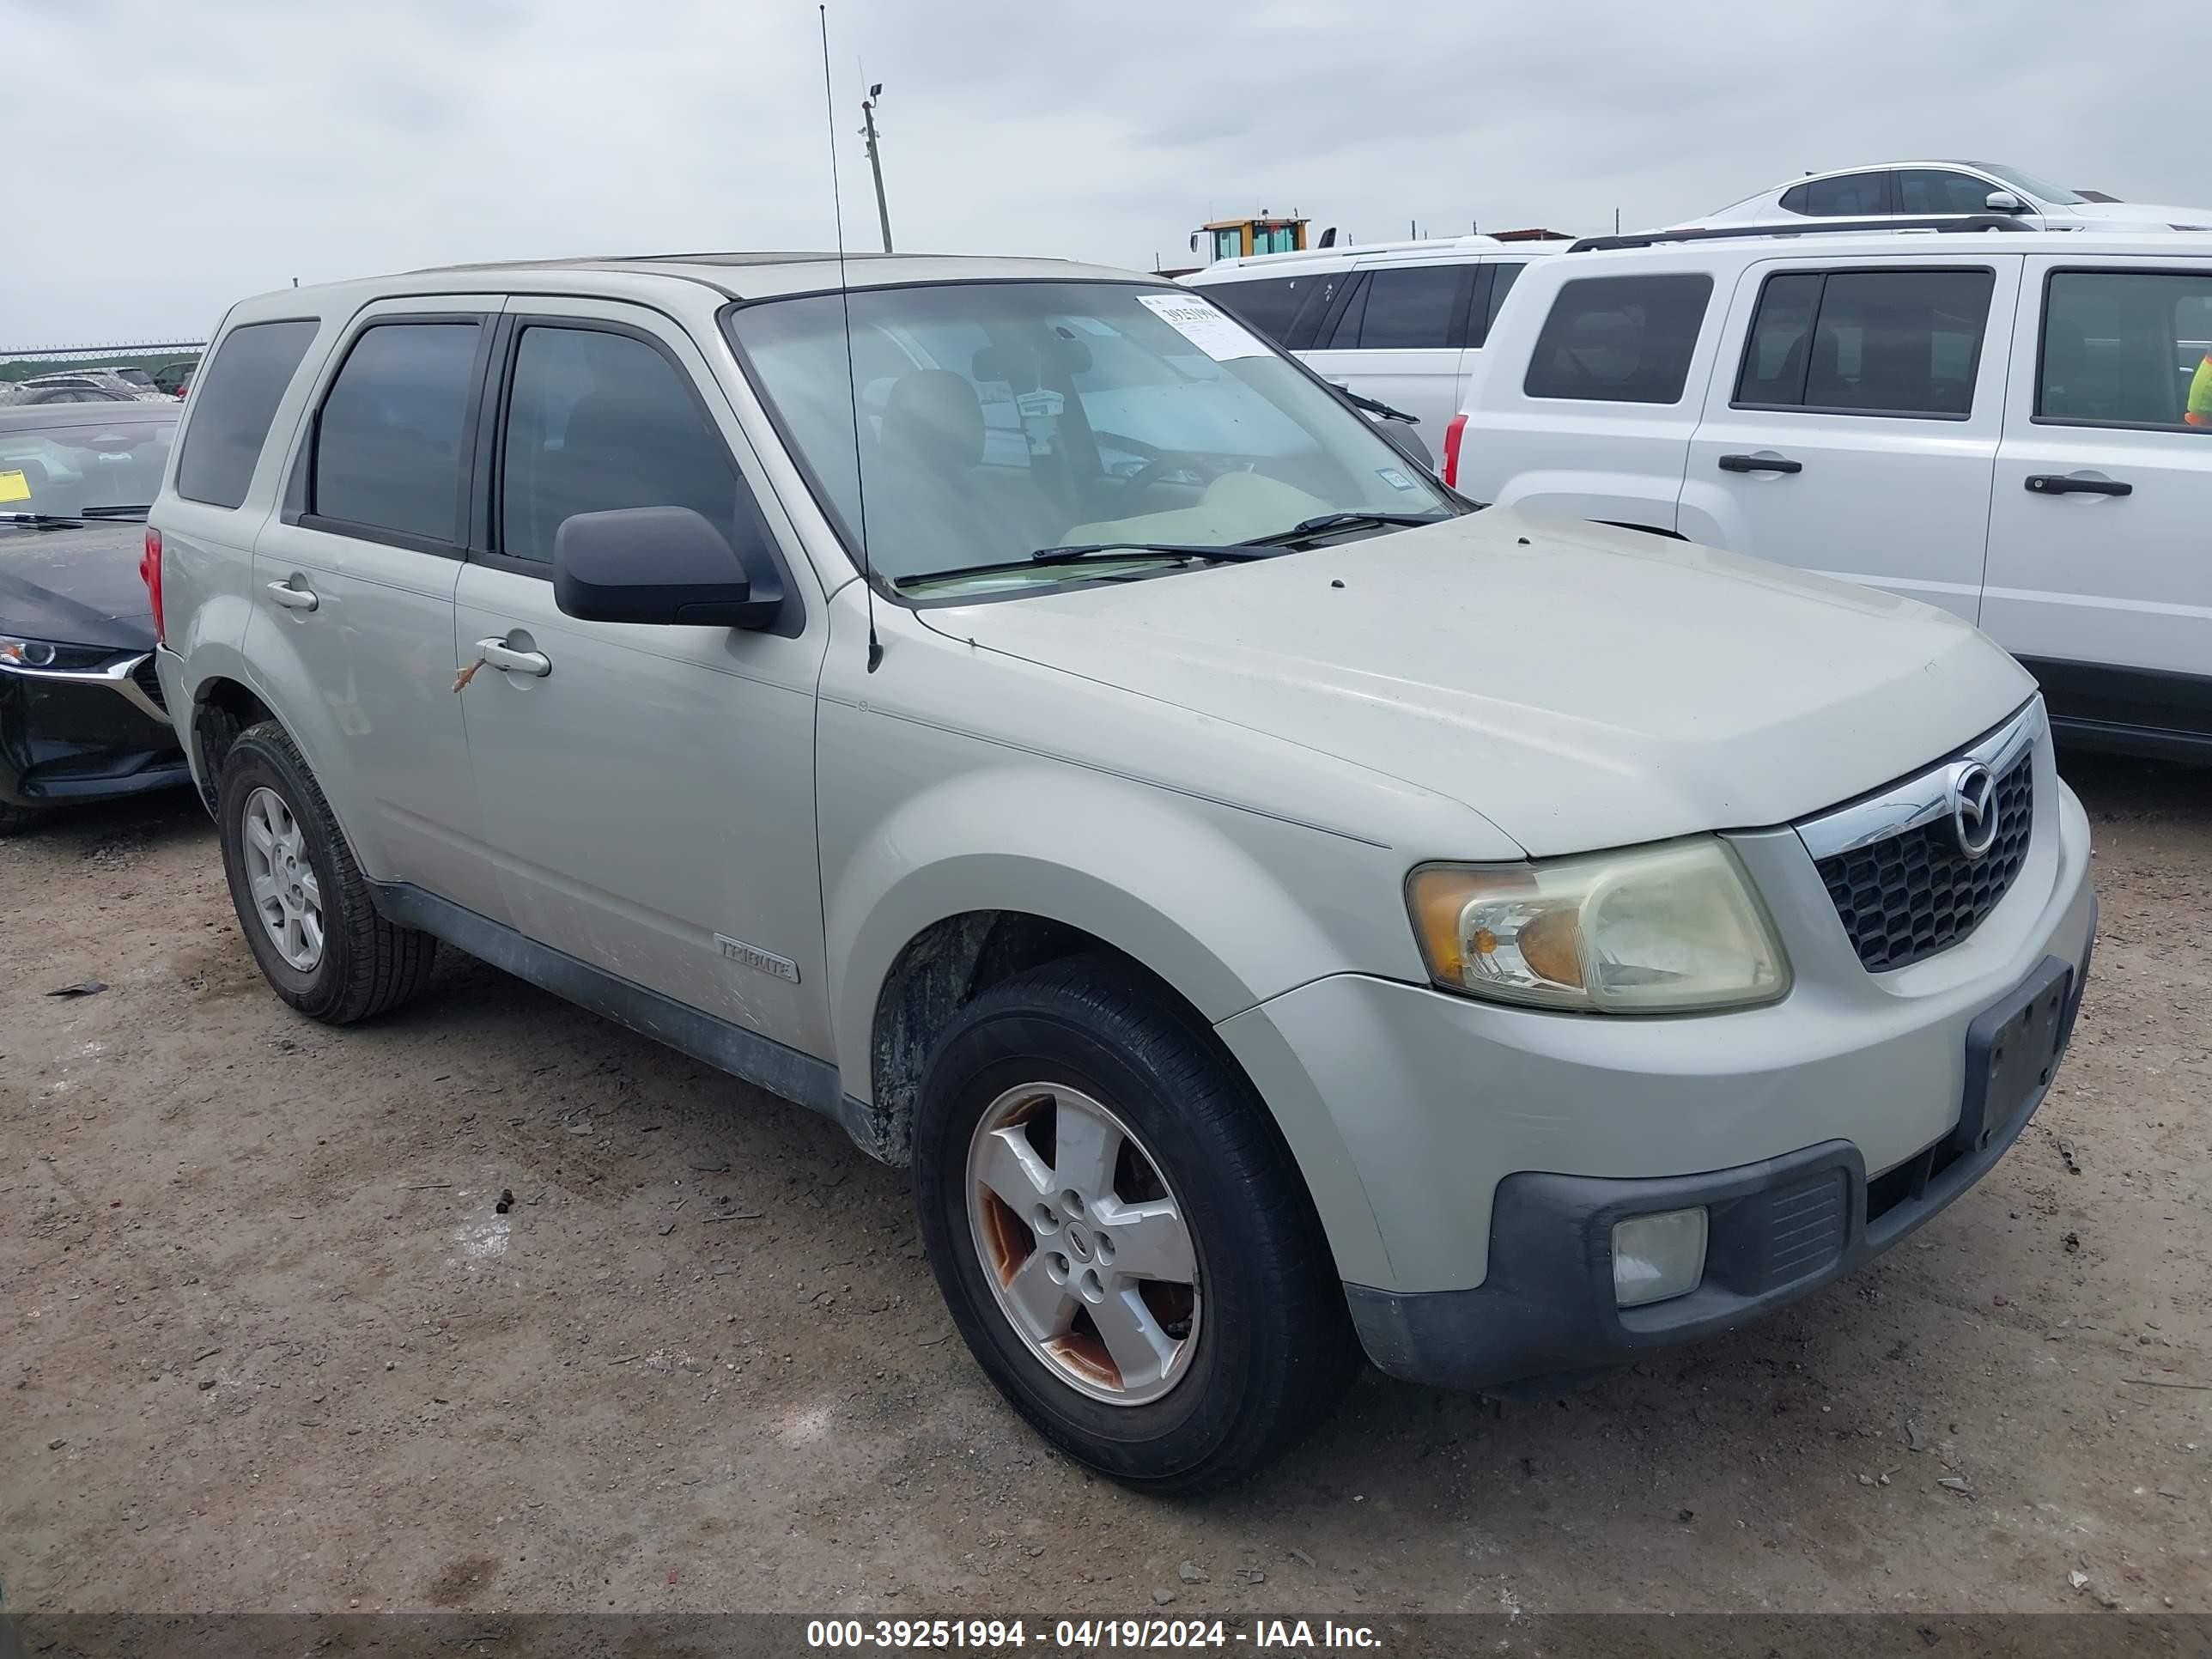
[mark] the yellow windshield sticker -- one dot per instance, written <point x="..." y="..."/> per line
<point x="14" y="487"/>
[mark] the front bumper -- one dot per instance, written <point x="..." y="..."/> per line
<point x="1436" y="1132"/>
<point x="1779" y="1230"/>
<point x="76" y="735"/>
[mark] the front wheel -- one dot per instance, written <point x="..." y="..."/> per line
<point x="15" y="819"/>
<point x="1121" y="1234"/>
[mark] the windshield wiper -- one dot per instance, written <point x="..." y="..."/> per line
<point x="134" y="510"/>
<point x="1080" y="550"/>
<point x="1328" y="521"/>
<point x="1375" y="406"/>
<point x="43" y="520"/>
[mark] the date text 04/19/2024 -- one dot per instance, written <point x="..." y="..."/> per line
<point x="1086" y="1634"/>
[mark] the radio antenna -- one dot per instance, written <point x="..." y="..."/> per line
<point x="852" y="385"/>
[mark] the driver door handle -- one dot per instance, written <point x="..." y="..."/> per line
<point x="498" y="654"/>
<point x="2052" y="484"/>
<point x="291" y="598"/>
<point x="1759" y="464"/>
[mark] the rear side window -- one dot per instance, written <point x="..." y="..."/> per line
<point x="1868" y="343"/>
<point x="1854" y="196"/>
<point x="237" y="398"/>
<point x="2127" y="347"/>
<point x="1411" y="307"/>
<point x="388" y="447"/>
<point x="599" y="421"/>
<point x="1621" y="339"/>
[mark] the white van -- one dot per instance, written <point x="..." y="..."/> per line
<point x="1999" y="424"/>
<point x="1403" y="323"/>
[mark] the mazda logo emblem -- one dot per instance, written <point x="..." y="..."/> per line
<point x="1974" y="808"/>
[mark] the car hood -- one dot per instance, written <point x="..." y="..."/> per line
<point x="76" y="586"/>
<point x="2139" y="212"/>
<point x="1579" y="687"/>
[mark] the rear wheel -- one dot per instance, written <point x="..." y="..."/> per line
<point x="301" y="899"/>
<point x="14" y="819"/>
<point x="1121" y="1234"/>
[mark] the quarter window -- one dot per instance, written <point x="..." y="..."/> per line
<point x="1621" y="339"/>
<point x="2127" y="347"/>
<point x="1503" y="275"/>
<point x="388" y="447"/>
<point x="1269" y="306"/>
<point x="238" y="398"/>
<point x="598" y="420"/>
<point x="1868" y="343"/>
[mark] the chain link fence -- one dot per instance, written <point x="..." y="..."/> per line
<point x="125" y="369"/>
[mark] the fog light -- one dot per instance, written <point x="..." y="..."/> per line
<point x="1657" y="1256"/>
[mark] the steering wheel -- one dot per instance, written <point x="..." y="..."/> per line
<point x="1167" y="461"/>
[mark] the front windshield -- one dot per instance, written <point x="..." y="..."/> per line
<point x="2028" y="185"/>
<point x="999" y="418"/>
<point x="61" y="470"/>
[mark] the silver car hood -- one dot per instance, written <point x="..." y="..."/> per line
<point x="1578" y="686"/>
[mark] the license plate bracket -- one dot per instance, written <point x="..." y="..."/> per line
<point x="2012" y="1049"/>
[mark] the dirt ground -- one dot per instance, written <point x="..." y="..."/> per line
<point x="266" y="1344"/>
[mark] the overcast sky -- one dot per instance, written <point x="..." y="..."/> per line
<point x="169" y="157"/>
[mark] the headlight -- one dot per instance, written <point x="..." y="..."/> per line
<point x="44" y="653"/>
<point x="26" y="653"/>
<point x="1660" y="929"/>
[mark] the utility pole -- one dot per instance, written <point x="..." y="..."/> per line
<point x="875" y="159"/>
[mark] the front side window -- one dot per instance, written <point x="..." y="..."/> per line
<point x="1867" y="343"/>
<point x="1621" y="339"/>
<point x="1927" y="190"/>
<point x="388" y="450"/>
<point x="1853" y="196"/>
<point x="2127" y="347"/>
<point x="238" y="398"/>
<point x="998" y="419"/>
<point x="598" y="420"/>
<point x="1412" y="307"/>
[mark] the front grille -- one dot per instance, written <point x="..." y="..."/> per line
<point x="1906" y="897"/>
<point x="149" y="682"/>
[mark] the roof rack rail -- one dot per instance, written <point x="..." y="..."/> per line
<point x="1823" y="227"/>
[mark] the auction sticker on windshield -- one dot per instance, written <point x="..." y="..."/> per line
<point x="1216" y="333"/>
<point x="14" y="487"/>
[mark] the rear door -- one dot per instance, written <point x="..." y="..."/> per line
<point x="1398" y="336"/>
<point x="2098" y="576"/>
<point x="1851" y="426"/>
<point x="354" y="584"/>
<point x="1585" y="412"/>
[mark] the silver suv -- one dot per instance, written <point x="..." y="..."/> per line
<point x="1278" y="911"/>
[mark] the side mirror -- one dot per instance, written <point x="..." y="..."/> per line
<point x="1407" y="442"/>
<point x="664" y="565"/>
<point x="2003" y="201"/>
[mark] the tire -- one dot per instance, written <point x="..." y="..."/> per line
<point x="14" y="819"/>
<point x="1262" y="1344"/>
<point x="363" y="965"/>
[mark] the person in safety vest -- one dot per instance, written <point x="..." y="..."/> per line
<point x="2200" y="395"/>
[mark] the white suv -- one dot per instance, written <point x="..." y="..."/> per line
<point x="1278" y="911"/>
<point x="1403" y="323"/>
<point x="2016" y="427"/>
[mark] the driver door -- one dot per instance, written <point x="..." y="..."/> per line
<point x="648" y="792"/>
